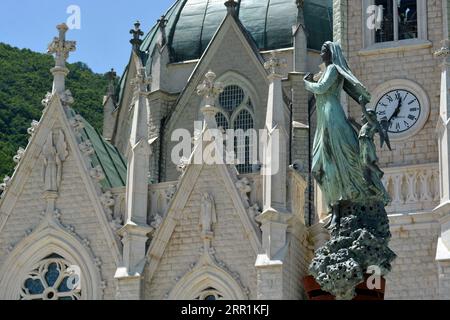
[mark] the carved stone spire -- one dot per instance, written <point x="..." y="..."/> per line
<point x="134" y="232"/>
<point x="231" y="6"/>
<point x="137" y="34"/>
<point x="210" y="90"/>
<point x="111" y="75"/>
<point x="61" y="49"/>
<point x="162" y="23"/>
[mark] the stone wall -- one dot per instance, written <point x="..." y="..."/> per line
<point x="231" y="242"/>
<point x="414" y="274"/>
<point x="76" y="208"/>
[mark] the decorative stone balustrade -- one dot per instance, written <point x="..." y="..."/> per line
<point x="412" y="188"/>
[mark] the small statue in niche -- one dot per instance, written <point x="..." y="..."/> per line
<point x="54" y="155"/>
<point x="208" y="214"/>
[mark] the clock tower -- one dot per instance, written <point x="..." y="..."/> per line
<point x="390" y="47"/>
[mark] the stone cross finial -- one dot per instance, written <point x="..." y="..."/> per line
<point x="61" y="49"/>
<point x="231" y="6"/>
<point x="210" y="89"/>
<point x="275" y="66"/>
<point x="137" y="33"/>
<point x="141" y="81"/>
<point x="111" y="75"/>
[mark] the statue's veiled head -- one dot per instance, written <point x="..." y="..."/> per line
<point x="326" y="53"/>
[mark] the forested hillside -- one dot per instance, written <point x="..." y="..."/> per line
<point x="25" y="78"/>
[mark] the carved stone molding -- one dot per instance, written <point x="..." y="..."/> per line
<point x="77" y="123"/>
<point x="31" y="130"/>
<point x="108" y="202"/>
<point x="86" y="148"/>
<point x="244" y="187"/>
<point x="97" y="173"/>
<point x="46" y="100"/>
<point x="19" y="155"/>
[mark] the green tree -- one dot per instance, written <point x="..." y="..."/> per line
<point x="25" y="78"/>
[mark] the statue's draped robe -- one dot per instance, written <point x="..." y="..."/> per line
<point x="336" y="165"/>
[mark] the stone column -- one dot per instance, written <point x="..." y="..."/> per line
<point x="134" y="232"/>
<point x="443" y="210"/>
<point x="274" y="219"/>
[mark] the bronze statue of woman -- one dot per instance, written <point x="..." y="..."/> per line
<point x="336" y="165"/>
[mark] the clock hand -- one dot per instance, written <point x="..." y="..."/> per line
<point x="397" y="110"/>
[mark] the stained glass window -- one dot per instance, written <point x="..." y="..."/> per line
<point x="231" y="98"/>
<point x="243" y="145"/>
<point x="222" y="121"/>
<point x="209" y="294"/>
<point x="52" y="279"/>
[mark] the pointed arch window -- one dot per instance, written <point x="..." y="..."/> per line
<point x="243" y="144"/>
<point x="231" y="98"/>
<point x="53" y="278"/>
<point x="222" y="121"/>
<point x="237" y="113"/>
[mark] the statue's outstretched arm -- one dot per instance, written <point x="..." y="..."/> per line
<point x="325" y="83"/>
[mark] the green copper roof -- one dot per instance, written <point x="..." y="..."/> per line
<point x="192" y="24"/>
<point x="106" y="156"/>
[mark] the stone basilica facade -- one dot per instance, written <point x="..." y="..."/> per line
<point x="89" y="215"/>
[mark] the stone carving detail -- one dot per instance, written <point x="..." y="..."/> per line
<point x="97" y="173"/>
<point x="244" y="187"/>
<point x="46" y="99"/>
<point x="67" y="98"/>
<point x="86" y="243"/>
<point x="31" y="130"/>
<point x="86" y="148"/>
<point x="170" y="192"/>
<point x="253" y="212"/>
<point x="54" y="154"/>
<point x="157" y="221"/>
<point x="19" y="155"/>
<point x="4" y="185"/>
<point x="208" y="214"/>
<point x="77" y="123"/>
<point x="108" y="202"/>
<point x="181" y="167"/>
<point x="209" y="89"/>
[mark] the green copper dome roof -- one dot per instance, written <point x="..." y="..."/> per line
<point x="191" y="25"/>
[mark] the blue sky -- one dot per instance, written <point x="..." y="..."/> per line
<point x="102" y="40"/>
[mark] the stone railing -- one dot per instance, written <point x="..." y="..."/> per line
<point x="295" y="191"/>
<point x="160" y="196"/>
<point x="412" y="188"/>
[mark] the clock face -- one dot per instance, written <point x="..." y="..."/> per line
<point x="401" y="109"/>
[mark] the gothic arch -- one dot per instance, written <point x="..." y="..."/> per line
<point x="234" y="78"/>
<point x="203" y="278"/>
<point x="37" y="247"/>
